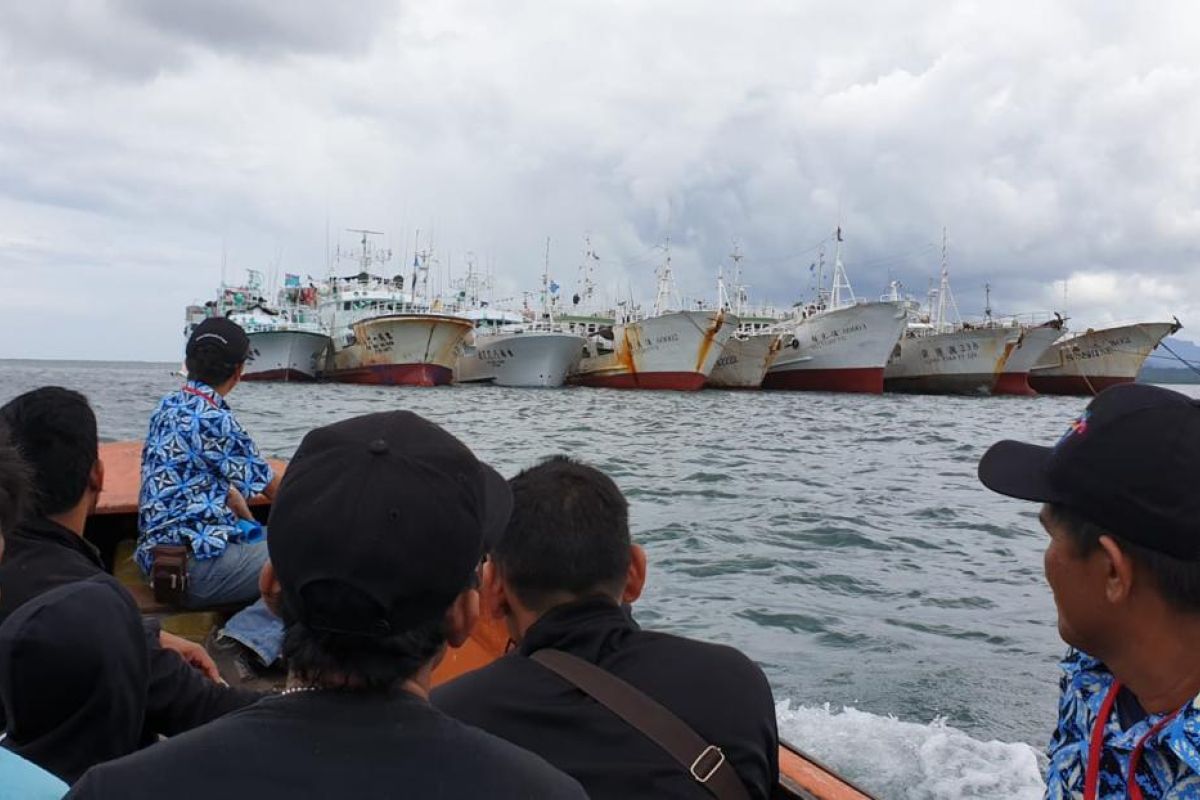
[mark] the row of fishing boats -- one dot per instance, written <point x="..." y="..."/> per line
<point x="366" y="328"/>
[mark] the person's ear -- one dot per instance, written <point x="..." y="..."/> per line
<point x="461" y="617"/>
<point x="1118" y="570"/>
<point x="635" y="579"/>
<point x="96" y="477"/>
<point x="493" y="597"/>
<point x="269" y="588"/>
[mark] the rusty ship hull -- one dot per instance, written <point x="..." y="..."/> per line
<point x="966" y="361"/>
<point x="399" y="350"/>
<point x="673" y="351"/>
<point x="745" y="360"/>
<point x="1032" y="345"/>
<point x="1089" y="362"/>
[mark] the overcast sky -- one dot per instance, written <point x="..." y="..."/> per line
<point x="140" y="139"/>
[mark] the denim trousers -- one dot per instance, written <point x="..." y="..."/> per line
<point x="232" y="578"/>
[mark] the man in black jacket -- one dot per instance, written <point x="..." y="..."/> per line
<point x="376" y="533"/>
<point x="55" y="431"/>
<point x="562" y="576"/>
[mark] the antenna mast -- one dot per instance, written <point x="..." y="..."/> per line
<point x="840" y="282"/>
<point x="666" y="282"/>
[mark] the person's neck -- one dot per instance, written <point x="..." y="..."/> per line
<point x="74" y="519"/>
<point x="1160" y="661"/>
<point x="521" y="619"/>
<point x="418" y="685"/>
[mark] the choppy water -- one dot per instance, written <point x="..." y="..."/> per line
<point x="842" y="541"/>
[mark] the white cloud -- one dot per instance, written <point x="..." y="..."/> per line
<point x="1055" y="140"/>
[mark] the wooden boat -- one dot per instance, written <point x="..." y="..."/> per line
<point x="114" y="523"/>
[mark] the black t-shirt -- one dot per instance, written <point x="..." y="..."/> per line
<point x="719" y="692"/>
<point x="330" y="744"/>
<point x="40" y="555"/>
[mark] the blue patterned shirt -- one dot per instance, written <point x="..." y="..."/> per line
<point x="195" y="450"/>
<point x="1170" y="764"/>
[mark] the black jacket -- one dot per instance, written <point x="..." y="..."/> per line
<point x="40" y="555"/>
<point x="719" y="692"/>
<point x="330" y="744"/>
<point x="73" y="669"/>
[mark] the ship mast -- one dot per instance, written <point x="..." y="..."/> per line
<point x="585" y="288"/>
<point x="547" y="309"/>
<point x="947" y="310"/>
<point x="666" y="283"/>
<point x="841" y="283"/>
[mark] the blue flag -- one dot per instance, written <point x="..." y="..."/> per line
<point x="554" y="287"/>
<point x="291" y="280"/>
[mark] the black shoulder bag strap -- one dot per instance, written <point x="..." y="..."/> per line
<point x="705" y="762"/>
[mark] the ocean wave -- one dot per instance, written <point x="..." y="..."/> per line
<point x="899" y="760"/>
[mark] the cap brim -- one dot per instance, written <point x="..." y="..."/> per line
<point x="1018" y="470"/>
<point x="498" y="502"/>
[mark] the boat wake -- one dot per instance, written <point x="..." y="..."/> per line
<point x="898" y="760"/>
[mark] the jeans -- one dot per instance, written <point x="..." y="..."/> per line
<point x="231" y="578"/>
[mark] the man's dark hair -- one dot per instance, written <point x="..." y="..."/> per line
<point x="1177" y="580"/>
<point x="209" y="365"/>
<point x="568" y="533"/>
<point x="54" y="429"/>
<point x="14" y="483"/>
<point x="366" y="662"/>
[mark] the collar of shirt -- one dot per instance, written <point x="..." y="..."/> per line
<point x="1181" y="735"/>
<point x="204" y="394"/>
<point x="40" y="530"/>
<point x="588" y="628"/>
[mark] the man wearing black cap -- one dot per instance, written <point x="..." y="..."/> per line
<point x="1121" y="503"/>
<point x="376" y="533"/>
<point x="198" y="468"/>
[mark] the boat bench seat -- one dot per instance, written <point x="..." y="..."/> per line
<point x="193" y="625"/>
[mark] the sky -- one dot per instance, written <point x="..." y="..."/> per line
<point x="149" y="147"/>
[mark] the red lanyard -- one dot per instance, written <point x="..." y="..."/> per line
<point x="198" y="393"/>
<point x="1091" y="784"/>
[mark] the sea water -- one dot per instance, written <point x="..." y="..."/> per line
<point x="842" y="541"/>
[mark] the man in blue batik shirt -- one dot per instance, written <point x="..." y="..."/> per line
<point x="1121" y="495"/>
<point x="198" y="468"/>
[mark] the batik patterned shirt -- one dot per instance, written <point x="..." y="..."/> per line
<point x="194" y="451"/>
<point x="1170" y="762"/>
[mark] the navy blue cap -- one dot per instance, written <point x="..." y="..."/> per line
<point x="1130" y="465"/>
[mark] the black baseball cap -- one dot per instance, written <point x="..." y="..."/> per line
<point x="1130" y="465"/>
<point x="222" y="333"/>
<point x="389" y="506"/>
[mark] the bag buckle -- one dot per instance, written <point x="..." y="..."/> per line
<point x="711" y="752"/>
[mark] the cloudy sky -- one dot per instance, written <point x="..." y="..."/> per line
<point x="142" y="139"/>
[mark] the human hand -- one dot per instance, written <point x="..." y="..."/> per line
<point x="238" y="504"/>
<point x="193" y="654"/>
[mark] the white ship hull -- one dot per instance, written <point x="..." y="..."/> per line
<point x="840" y="350"/>
<point x="676" y="350"/>
<point x="967" y="361"/>
<point x="285" y="355"/>
<point x="536" y="358"/>
<point x="745" y="361"/>
<point x="399" y="349"/>
<point x="1092" y="361"/>
<point x="1035" y="340"/>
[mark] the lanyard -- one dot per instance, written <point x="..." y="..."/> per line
<point x="1091" y="783"/>
<point x="198" y="393"/>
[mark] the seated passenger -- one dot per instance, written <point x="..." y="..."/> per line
<point x="199" y="467"/>
<point x="376" y="533"/>
<point x="54" y="429"/>
<point x="1121" y="505"/>
<point x="20" y="779"/>
<point x="73" y="677"/>
<point x="561" y="576"/>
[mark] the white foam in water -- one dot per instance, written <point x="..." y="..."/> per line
<point x="897" y="760"/>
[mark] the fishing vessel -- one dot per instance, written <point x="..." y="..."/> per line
<point x="755" y="343"/>
<point x="287" y="340"/>
<point x="667" y="350"/>
<point x="1035" y="340"/>
<point x="112" y="527"/>
<point x="1091" y="361"/>
<point x="382" y="334"/>
<point x="941" y="354"/>
<point x="839" y="344"/>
